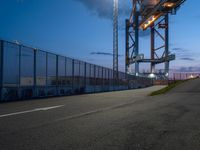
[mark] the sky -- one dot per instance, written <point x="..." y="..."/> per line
<point x="82" y="29"/>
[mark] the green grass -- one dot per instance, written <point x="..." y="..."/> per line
<point x="167" y="89"/>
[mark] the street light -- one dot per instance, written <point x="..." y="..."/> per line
<point x="152" y="75"/>
<point x="115" y="39"/>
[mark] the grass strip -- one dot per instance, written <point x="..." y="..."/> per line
<point x="168" y="88"/>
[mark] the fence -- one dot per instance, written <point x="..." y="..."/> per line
<point x="185" y="75"/>
<point x="31" y="73"/>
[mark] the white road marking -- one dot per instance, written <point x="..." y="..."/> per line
<point x="95" y="111"/>
<point x="29" y="111"/>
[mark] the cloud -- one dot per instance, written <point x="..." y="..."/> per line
<point x="101" y="8"/>
<point x="103" y="53"/>
<point x="189" y="69"/>
<point x="179" y="49"/>
<point x="184" y="54"/>
<point x="187" y="58"/>
<point x="104" y="8"/>
<point x="186" y="69"/>
<point x="176" y="49"/>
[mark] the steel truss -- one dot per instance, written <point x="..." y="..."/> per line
<point x="160" y="54"/>
<point x="159" y="31"/>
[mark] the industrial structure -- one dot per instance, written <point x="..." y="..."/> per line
<point x="37" y="73"/>
<point x="153" y="15"/>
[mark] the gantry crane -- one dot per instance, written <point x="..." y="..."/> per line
<point x="153" y="15"/>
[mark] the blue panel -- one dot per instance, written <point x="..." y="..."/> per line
<point x="87" y="70"/>
<point x="69" y="71"/>
<point x="11" y="62"/>
<point x="61" y="66"/>
<point x="69" y="67"/>
<point x="27" y="66"/>
<point x="100" y="72"/>
<point x="76" y="68"/>
<point x="82" y="69"/>
<point x="76" y="74"/>
<point x="61" y="70"/>
<point x="51" y="69"/>
<point x="92" y="75"/>
<point x="92" y="71"/>
<point x="41" y="68"/>
<point x="82" y="74"/>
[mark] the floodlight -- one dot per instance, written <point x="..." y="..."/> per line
<point x="169" y="4"/>
<point x="191" y="76"/>
<point x="152" y="75"/>
<point x="149" y="21"/>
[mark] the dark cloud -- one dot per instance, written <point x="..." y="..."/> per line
<point x="189" y="69"/>
<point x="179" y="49"/>
<point x="184" y="54"/>
<point x="101" y="8"/>
<point x="186" y="69"/>
<point x="176" y="49"/>
<point x="104" y="8"/>
<point x="187" y="58"/>
<point x="103" y="53"/>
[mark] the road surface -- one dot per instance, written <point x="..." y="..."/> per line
<point x="126" y="120"/>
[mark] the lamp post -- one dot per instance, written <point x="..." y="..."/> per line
<point x="115" y="39"/>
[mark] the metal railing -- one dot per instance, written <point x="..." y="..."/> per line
<point x="32" y="73"/>
<point x="185" y="75"/>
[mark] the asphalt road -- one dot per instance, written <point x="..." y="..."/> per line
<point x="126" y="120"/>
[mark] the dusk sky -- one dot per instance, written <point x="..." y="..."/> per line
<point x="83" y="29"/>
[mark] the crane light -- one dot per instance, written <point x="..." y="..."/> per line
<point x="169" y="4"/>
<point x="152" y="75"/>
<point x="149" y="21"/>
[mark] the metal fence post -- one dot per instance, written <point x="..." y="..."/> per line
<point x="95" y="80"/>
<point x="57" y="85"/>
<point x="108" y="79"/>
<point x="90" y="76"/>
<point x="65" y="80"/>
<point x="73" y="75"/>
<point x="102" y="82"/>
<point x="85" y="69"/>
<point x="1" y="70"/>
<point x="46" y="86"/>
<point x="34" y="74"/>
<point x="79" y="77"/>
<point x="19" y="85"/>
